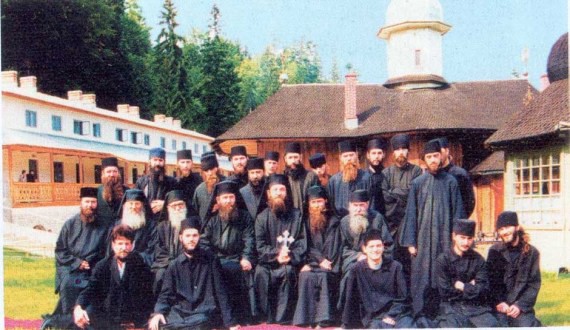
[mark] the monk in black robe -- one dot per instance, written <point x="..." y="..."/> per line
<point x="203" y="194"/>
<point x="80" y="245"/>
<point x="353" y="228"/>
<point x="187" y="181"/>
<point x="156" y="184"/>
<point x="167" y="243"/>
<point x="349" y="179"/>
<point x="238" y="158"/>
<point x="253" y="193"/>
<point x="229" y="235"/>
<point x="377" y="295"/>
<point x="281" y="246"/>
<point x="119" y="292"/>
<point x="319" y="278"/>
<point x="300" y="180"/>
<point x="375" y="155"/>
<point x="434" y="203"/>
<point x="271" y="162"/>
<point x="463" y="282"/>
<point x="136" y="213"/>
<point x="193" y="295"/>
<point x="110" y="192"/>
<point x="318" y="163"/>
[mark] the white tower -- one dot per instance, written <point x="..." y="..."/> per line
<point x="414" y="32"/>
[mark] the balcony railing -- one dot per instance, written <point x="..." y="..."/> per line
<point x="26" y="193"/>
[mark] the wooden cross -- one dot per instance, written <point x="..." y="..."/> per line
<point x="285" y="239"/>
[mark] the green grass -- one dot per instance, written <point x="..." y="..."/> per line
<point x="29" y="285"/>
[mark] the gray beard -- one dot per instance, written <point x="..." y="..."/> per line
<point x="358" y="224"/>
<point x="176" y="217"/>
<point x="133" y="220"/>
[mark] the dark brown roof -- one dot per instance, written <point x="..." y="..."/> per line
<point x="495" y="163"/>
<point x="317" y="110"/>
<point x="557" y="66"/>
<point x="540" y="118"/>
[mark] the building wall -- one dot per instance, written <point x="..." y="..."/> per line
<point x="402" y="48"/>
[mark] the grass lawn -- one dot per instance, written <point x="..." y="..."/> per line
<point x="29" y="290"/>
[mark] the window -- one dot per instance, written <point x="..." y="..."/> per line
<point x="173" y="144"/>
<point x="136" y="137"/>
<point x="196" y="148"/>
<point x="97" y="130"/>
<point x="58" y="172"/>
<point x="97" y="170"/>
<point x="31" y="118"/>
<point x="537" y="197"/>
<point x="163" y="142"/>
<point x="56" y="123"/>
<point x="81" y="127"/>
<point x="146" y="140"/>
<point x="183" y="145"/>
<point x="121" y="134"/>
<point x="204" y="149"/>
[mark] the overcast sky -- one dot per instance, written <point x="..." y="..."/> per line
<point x="485" y="42"/>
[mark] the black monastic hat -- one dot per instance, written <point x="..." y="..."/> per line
<point x="238" y="151"/>
<point x="192" y="222"/>
<point x="359" y="196"/>
<point x="208" y="162"/>
<point x="432" y="146"/>
<point x="464" y="227"/>
<point x="377" y="143"/>
<point x="400" y="141"/>
<point x="183" y="154"/>
<point x="346" y="146"/>
<point x="316" y="192"/>
<point x="317" y="160"/>
<point x="109" y="161"/>
<point x="293" y="147"/>
<point x="88" y="192"/>
<point x="157" y="152"/>
<point x="255" y="164"/>
<point x="272" y="155"/>
<point x="506" y="219"/>
<point x="278" y="179"/>
<point x="226" y="187"/>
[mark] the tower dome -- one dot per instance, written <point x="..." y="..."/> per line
<point x="557" y="67"/>
<point x="400" y="11"/>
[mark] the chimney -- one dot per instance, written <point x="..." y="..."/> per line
<point x="74" y="95"/>
<point x="9" y="79"/>
<point x="89" y="99"/>
<point x="168" y="120"/>
<point x="122" y="108"/>
<point x="350" y="119"/>
<point x="134" y="111"/>
<point x="544" y="82"/>
<point x="159" y="118"/>
<point x="177" y="123"/>
<point x="29" y="83"/>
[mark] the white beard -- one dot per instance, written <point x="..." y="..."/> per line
<point x="133" y="220"/>
<point x="358" y="224"/>
<point x="176" y="217"/>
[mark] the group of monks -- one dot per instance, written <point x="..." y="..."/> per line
<point x="368" y="247"/>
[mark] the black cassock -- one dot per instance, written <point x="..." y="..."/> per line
<point x="167" y="249"/>
<point x="77" y="241"/>
<point x="300" y="186"/>
<point x="232" y="241"/>
<point x="240" y="179"/>
<point x="255" y="202"/>
<point x="107" y="212"/>
<point x="155" y="190"/>
<point x="144" y="243"/>
<point x="188" y="185"/>
<point x="373" y="294"/>
<point x="352" y="245"/>
<point x="470" y="307"/>
<point x="202" y="198"/>
<point x="111" y="299"/>
<point x="339" y="191"/>
<point x="193" y="293"/>
<point x="318" y="288"/>
<point x="434" y="203"/>
<point x="276" y="283"/>
<point x="377" y="195"/>
<point x="465" y="187"/>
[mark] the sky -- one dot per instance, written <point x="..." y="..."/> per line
<point x="485" y="42"/>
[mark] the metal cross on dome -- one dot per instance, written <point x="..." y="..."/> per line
<point x="285" y="239"/>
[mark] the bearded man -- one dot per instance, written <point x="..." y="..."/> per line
<point x="211" y="176"/>
<point x="167" y="247"/>
<point x="252" y="193"/>
<point x="319" y="278"/>
<point x="353" y="226"/>
<point x="156" y="184"/>
<point x="434" y="202"/>
<point x="187" y="181"/>
<point x="514" y="274"/>
<point x="229" y="235"/>
<point x="110" y="192"/>
<point x="375" y="156"/>
<point x="80" y="245"/>
<point x="319" y="165"/>
<point x="271" y="162"/>
<point x="349" y="179"/>
<point x="136" y="213"/>
<point x="238" y="158"/>
<point x="281" y="246"/>
<point x="299" y="178"/>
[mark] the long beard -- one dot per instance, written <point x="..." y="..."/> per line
<point x="87" y="214"/>
<point x="210" y="181"/>
<point x="296" y="172"/>
<point x="176" y="216"/>
<point x="349" y="171"/>
<point x="317" y="219"/>
<point x="228" y="212"/>
<point x="358" y="224"/>
<point x="277" y="205"/>
<point x="157" y="173"/>
<point x="112" y="189"/>
<point x="133" y="220"/>
<point x="257" y="186"/>
<point x="401" y="160"/>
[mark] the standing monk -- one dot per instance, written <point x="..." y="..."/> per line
<point x="319" y="165"/>
<point x="110" y="192"/>
<point x="238" y="157"/>
<point x="187" y="181"/>
<point x="271" y="162"/>
<point x="375" y="156"/>
<point x="434" y="203"/>
<point x="299" y="178"/>
<point x="211" y="176"/>
<point x="156" y="184"/>
<point x="253" y="193"/>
